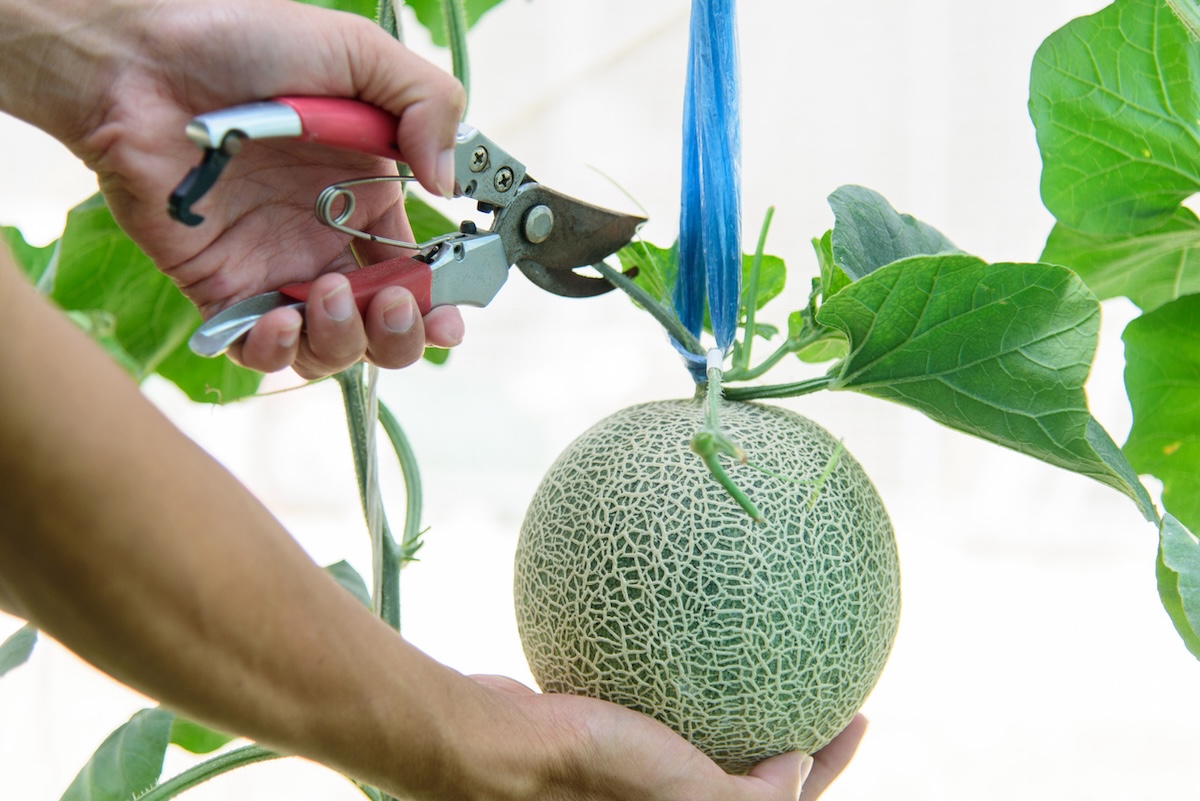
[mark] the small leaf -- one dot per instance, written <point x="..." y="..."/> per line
<point x="1162" y="378"/>
<point x="426" y="221"/>
<point x="1113" y="97"/>
<point x="127" y="763"/>
<point x="658" y="267"/>
<point x="1150" y="268"/>
<point x="32" y="260"/>
<point x="998" y="351"/>
<point x="196" y="738"/>
<point x="1178" y="574"/>
<point x="436" y="355"/>
<point x="349" y="578"/>
<point x="15" y="650"/>
<point x="868" y="233"/>
<point x="429" y="14"/>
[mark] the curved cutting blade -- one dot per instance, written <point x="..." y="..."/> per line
<point x="548" y="234"/>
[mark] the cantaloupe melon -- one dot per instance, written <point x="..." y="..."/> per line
<point x="640" y="581"/>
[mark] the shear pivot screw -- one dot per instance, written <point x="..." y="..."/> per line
<point x="479" y="159"/>
<point x="539" y="222"/>
<point x="504" y="179"/>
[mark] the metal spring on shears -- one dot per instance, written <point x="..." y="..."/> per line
<point x="330" y="196"/>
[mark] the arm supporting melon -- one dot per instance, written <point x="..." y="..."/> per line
<point x="128" y="544"/>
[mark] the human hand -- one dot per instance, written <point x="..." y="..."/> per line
<point x="628" y="756"/>
<point x="143" y="69"/>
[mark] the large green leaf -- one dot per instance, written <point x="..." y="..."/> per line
<point x="15" y="650"/>
<point x="1149" y="268"/>
<point x="429" y="14"/>
<point x="100" y="270"/>
<point x="426" y="221"/>
<point x="127" y="763"/>
<point x="998" y="351"/>
<point x="1113" y="96"/>
<point x="364" y="8"/>
<point x="868" y="233"/>
<point x="32" y="260"/>
<point x="208" y="380"/>
<point x="1178" y="573"/>
<point x="1162" y="378"/>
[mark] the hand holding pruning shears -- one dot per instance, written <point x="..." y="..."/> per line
<point x="546" y="234"/>
<point x="125" y="118"/>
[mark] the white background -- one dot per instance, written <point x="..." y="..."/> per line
<point x="1033" y="659"/>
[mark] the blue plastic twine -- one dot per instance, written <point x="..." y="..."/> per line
<point x="710" y="217"/>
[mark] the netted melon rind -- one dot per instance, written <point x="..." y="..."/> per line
<point x="639" y="581"/>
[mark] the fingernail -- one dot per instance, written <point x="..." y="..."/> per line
<point x="445" y="173"/>
<point x="400" y="316"/>
<point x="338" y="303"/>
<point x="289" y="336"/>
<point x="806" y="766"/>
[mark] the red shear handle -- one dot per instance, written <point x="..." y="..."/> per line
<point x="412" y="274"/>
<point x="345" y="123"/>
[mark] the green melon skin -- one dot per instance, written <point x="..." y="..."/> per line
<point x="639" y="580"/>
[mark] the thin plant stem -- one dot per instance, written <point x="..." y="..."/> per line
<point x="209" y="769"/>
<point x="793" y="390"/>
<point x="387" y="601"/>
<point x="389" y="20"/>
<point x="455" y="17"/>
<point x="710" y="443"/>
<point x="666" y="317"/>
<point x="742" y="358"/>
<point x="410" y="541"/>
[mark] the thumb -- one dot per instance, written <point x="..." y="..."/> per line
<point x="784" y="773"/>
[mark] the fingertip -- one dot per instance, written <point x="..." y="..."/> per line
<point x="444" y="327"/>
<point x="273" y="342"/>
<point x="784" y="772"/>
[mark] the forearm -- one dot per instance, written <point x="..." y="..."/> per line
<point x="57" y="58"/>
<point x="124" y="541"/>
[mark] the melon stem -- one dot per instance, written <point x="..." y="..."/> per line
<point x="710" y="443"/>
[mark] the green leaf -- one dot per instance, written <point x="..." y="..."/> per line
<point x="657" y="268"/>
<point x="1149" y="268"/>
<point x="134" y="311"/>
<point x="205" y="380"/>
<point x="833" y="278"/>
<point x="1162" y="378"/>
<point x="196" y="738"/>
<point x="1113" y="97"/>
<point x="100" y="268"/>
<point x="127" y="763"/>
<point x="364" y="8"/>
<point x="868" y="233"/>
<point x="429" y="14"/>
<point x="1188" y="13"/>
<point x="32" y="260"/>
<point x="15" y="650"/>
<point x="1178" y="574"/>
<point x="998" y="351"/>
<point x="349" y="578"/>
<point x="437" y="355"/>
<point x="427" y="222"/>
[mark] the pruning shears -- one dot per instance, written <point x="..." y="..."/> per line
<point x="546" y="234"/>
